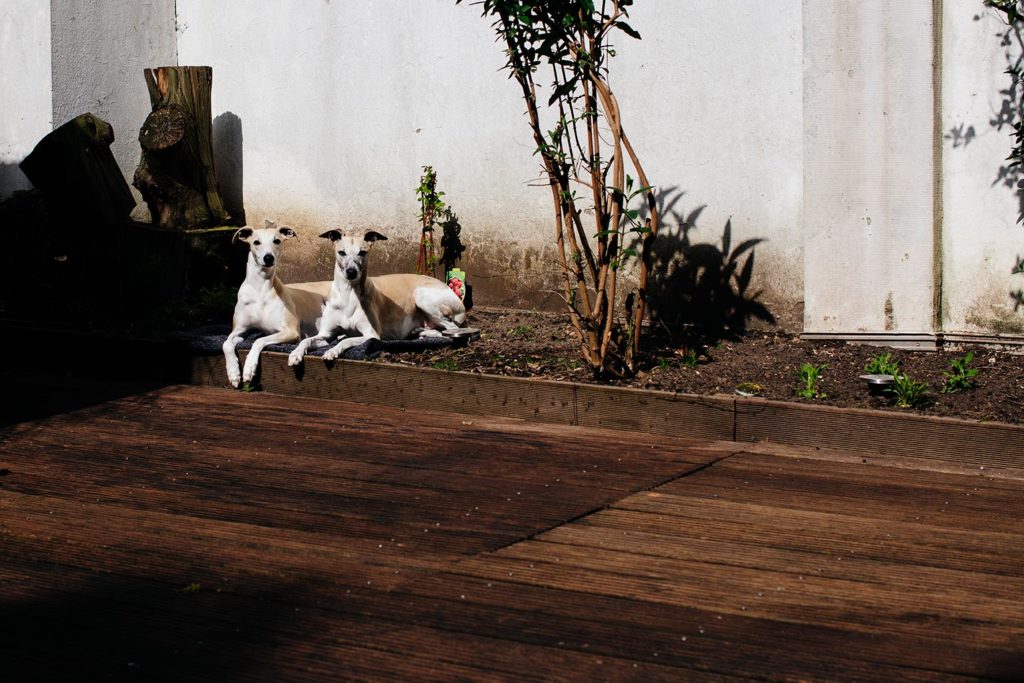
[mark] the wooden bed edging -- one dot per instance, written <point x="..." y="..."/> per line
<point x="719" y="417"/>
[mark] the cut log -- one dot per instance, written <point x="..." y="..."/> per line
<point x="164" y="128"/>
<point x="76" y="172"/>
<point x="176" y="174"/>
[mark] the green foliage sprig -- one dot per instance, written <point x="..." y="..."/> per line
<point x="882" y="364"/>
<point x="810" y="377"/>
<point x="909" y="393"/>
<point x="960" y="376"/>
<point x="430" y="200"/>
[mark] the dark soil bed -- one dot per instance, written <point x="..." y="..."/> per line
<point x="543" y="345"/>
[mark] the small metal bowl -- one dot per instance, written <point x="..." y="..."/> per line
<point x="877" y="384"/>
<point x="467" y="333"/>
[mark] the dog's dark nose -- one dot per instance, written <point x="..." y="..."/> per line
<point x="351" y="273"/>
<point x="268" y="259"/>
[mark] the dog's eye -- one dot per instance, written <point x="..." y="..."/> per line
<point x="277" y="241"/>
<point x="257" y="243"/>
<point x="362" y="252"/>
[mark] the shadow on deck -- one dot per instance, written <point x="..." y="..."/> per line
<point x="190" y="533"/>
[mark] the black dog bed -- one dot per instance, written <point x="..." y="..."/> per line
<point x="208" y="341"/>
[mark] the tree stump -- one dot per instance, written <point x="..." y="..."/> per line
<point x="176" y="175"/>
<point x="76" y="172"/>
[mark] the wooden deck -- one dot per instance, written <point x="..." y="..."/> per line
<point x="187" y="533"/>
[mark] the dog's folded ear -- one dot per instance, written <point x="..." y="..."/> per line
<point x="332" y="235"/>
<point x="373" y="236"/>
<point x="242" y="234"/>
<point x="286" y="232"/>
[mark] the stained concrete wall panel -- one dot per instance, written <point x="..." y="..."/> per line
<point x="981" y="240"/>
<point x="868" y="167"/>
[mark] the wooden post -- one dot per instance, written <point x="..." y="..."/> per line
<point x="77" y="174"/>
<point x="176" y="174"/>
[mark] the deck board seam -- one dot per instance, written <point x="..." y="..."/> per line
<point x="600" y="508"/>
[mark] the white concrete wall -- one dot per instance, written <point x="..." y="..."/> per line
<point x="340" y="104"/>
<point x="99" y="52"/>
<point x="868" y="168"/>
<point x="981" y="239"/>
<point x="25" y="106"/>
<point x="812" y="126"/>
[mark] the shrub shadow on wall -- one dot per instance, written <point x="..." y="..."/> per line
<point x="1007" y="120"/>
<point x="701" y="287"/>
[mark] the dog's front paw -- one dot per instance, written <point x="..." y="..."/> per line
<point x="295" y="358"/>
<point x="248" y="372"/>
<point x="234" y="377"/>
<point x="331" y="354"/>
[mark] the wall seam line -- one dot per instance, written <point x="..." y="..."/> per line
<point x="938" y="208"/>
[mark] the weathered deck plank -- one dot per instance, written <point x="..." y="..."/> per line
<point x="202" y="534"/>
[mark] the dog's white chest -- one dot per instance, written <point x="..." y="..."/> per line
<point x="346" y="314"/>
<point x="261" y="309"/>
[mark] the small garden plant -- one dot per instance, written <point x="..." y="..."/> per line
<point x="810" y="378"/>
<point x="882" y="364"/>
<point x="689" y="358"/>
<point x="960" y="376"/>
<point x="435" y="213"/>
<point x="448" y="364"/>
<point x="431" y="205"/>
<point x="909" y="393"/>
<point x="749" y="389"/>
<point x="521" y="332"/>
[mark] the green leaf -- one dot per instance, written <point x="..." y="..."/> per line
<point x="627" y="29"/>
<point x="562" y="90"/>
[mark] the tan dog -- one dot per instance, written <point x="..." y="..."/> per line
<point x="383" y="307"/>
<point x="265" y="303"/>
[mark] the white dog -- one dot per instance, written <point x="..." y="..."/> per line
<point x="265" y="303"/>
<point x="382" y="307"/>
